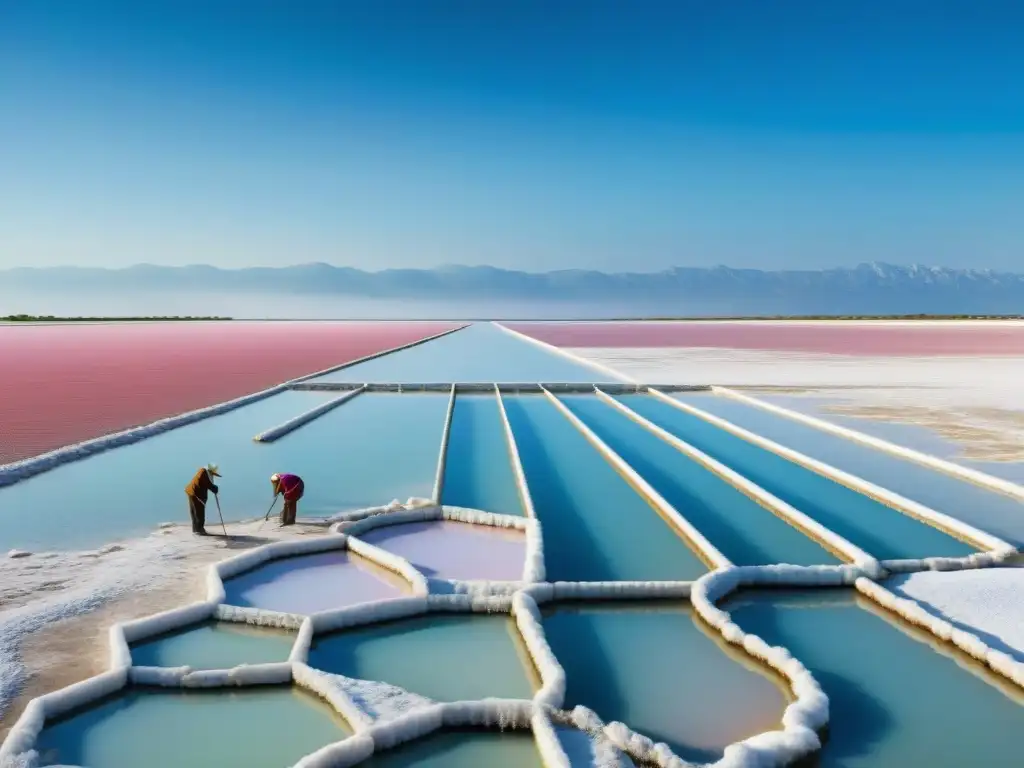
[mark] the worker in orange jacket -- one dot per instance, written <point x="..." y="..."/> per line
<point x="197" y="491"/>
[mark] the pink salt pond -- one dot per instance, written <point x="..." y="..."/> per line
<point x="310" y="583"/>
<point x="441" y="549"/>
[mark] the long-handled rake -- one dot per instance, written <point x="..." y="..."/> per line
<point x="267" y="516"/>
<point x="217" y="499"/>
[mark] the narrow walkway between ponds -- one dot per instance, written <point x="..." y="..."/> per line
<point x="480" y="353"/>
<point x="478" y="467"/>
<point x="877" y="529"/>
<point x="596" y="527"/>
<point x="743" y="530"/>
<point x="990" y="511"/>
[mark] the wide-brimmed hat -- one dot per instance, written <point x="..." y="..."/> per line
<point x="212" y="469"/>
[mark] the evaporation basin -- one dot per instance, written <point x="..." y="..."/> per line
<point x="307" y="584"/>
<point x="656" y="667"/>
<point x="214" y="645"/>
<point x="446" y="657"/>
<point x="441" y="549"/>
<point x="898" y="696"/>
<point x="265" y="727"/>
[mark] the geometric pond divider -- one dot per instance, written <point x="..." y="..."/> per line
<point x="802" y="720"/>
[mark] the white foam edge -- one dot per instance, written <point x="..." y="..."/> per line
<point x="275" y="433"/>
<point x="943" y="465"/>
<point x="978" y="560"/>
<point x="272" y="673"/>
<point x="442" y="456"/>
<point x="797" y="519"/>
<point x="703" y="547"/>
<point x="1000" y="662"/>
<point x="25" y="468"/>
<point x="592" y="364"/>
<point x="943" y="522"/>
<point x="808" y="714"/>
<point x="517" y="463"/>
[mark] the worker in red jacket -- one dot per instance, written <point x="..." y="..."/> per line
<point x="292" y="488"/>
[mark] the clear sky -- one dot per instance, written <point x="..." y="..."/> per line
<point x="530" y="134"/>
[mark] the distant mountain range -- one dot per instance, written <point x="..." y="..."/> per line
<point x="874" y="288"/>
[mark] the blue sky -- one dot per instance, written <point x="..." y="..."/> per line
<point x="531" y="135"/>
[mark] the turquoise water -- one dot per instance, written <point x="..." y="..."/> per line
<point x="445" y="657"/>
<point x="596" y="527"/>
<point x="741" y="529"/>
<point x="479" y="353"/>
<point x="478" y="468"/>
<point x="895" y="700"/>
<point x="366" y="452"/>
<point x="989" y="511"/>
<point x="269" y="727"/>
<point x="874" y="527"/>
<point x="214" y="645"/>
<point x="462" y="749"/>
<point x="653" y="667"/>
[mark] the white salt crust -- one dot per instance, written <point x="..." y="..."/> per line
<point x="21" y="470"/>
<point x="275" y="433"/>
<point x="442" y="459"/>
<point x="807" y="525"/>
<point x="410" y="717"/>
<point x="943" y="465"/>
<point x="927" y="515"/>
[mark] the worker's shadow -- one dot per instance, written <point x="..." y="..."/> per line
<point x="241" y="541"/>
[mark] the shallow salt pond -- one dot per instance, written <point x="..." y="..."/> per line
<point x="442" y="549"/>
<point x="743" y="530"/>
<point x="990" y="511"/>
<point x="481" y="353"/>
<point x="596" y="526"/>
<point x="214" y="645"/>
<point x="307" y="584"/>
<point x="655" y="667"/>
<point x="898" y="697"/>
<point x="462" y="749"/>
<point x="363" y="453"/>
<point x="874" y="527"/>
<point x="446" y="657"/>
<point x="478" y="467"/>
<point x="265" y="727"/>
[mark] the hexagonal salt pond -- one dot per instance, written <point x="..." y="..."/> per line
<point x="263" y="727"/>
<point x="462" y="749"/>
<point x="306" y="584"/>
<point x="214" y="645"/>
<point x="443" y="549"/>
<point x="443" y="656"/>
<point x="657" y="668"/>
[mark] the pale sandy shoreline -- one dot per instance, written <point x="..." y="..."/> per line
<point x="56" y="608"/>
